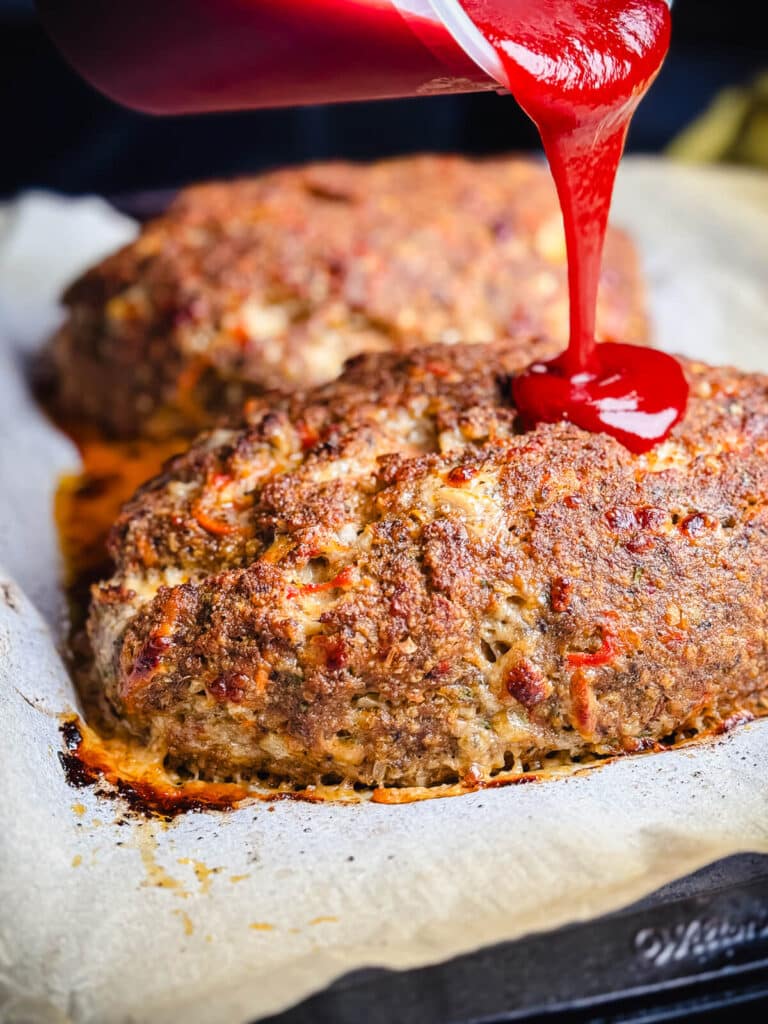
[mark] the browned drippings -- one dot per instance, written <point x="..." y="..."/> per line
<point x="87" y="503"/>
<point x="120" y="767"/>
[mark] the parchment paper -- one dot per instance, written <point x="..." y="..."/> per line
<point x="225" y="917"/>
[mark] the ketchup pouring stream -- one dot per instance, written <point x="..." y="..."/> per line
<point x="579" y="68"/>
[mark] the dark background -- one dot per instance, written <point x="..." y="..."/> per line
<point x="59" y="133"/>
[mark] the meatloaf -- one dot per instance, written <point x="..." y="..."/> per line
<point x="382" y="580"/>
<point x="275" y="281"/>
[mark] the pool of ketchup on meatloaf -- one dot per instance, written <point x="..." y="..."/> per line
<point x="579" y="68"/>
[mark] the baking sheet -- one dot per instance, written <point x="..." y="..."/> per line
<point x="228" y="916"/>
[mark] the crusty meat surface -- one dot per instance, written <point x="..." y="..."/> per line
<point x="381" y="580"/>
<point x="275" y="281"/>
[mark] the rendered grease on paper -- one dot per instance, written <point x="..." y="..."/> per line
<point x="228" y="916"/>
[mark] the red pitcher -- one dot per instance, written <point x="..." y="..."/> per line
<point x="192" y="55"/>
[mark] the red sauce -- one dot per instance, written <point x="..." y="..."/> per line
<point x="635" y="394"/>
<point x="579" y="68"/>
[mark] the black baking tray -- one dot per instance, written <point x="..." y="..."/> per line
<point x="696" y="946"/>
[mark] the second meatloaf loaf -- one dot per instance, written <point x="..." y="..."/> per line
<point x="275" y="281"/>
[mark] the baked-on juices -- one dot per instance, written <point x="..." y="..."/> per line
<point x="579" y="68"/>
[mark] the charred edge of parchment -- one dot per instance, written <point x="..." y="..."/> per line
<point x="141" y="798"/>
<point x="77" y="773"/>
<point x="146" y="800"/>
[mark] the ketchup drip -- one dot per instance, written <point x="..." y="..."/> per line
<point x="579" y="68"/>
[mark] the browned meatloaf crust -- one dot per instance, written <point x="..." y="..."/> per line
<point x="383" y="580"/>
<point x="275" y="281"/>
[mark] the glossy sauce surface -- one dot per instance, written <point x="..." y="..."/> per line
<point x="579" y="68"/>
